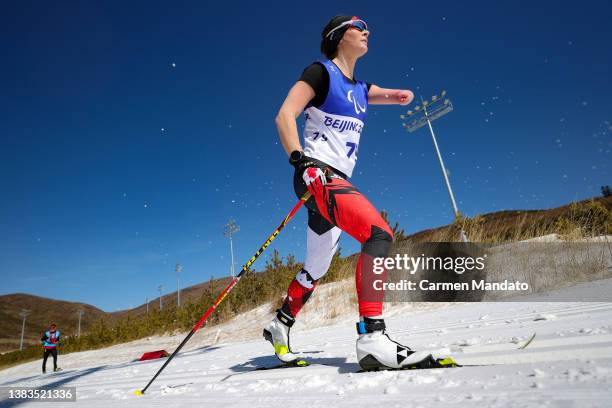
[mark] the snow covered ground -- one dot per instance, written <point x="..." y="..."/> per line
<point x="568" y="364"/>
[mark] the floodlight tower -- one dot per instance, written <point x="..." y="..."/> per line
<point x="423" y="115"/>
<point x="24" y="313"/>
<point x="80" y="313"/>
<point x="229" y="230"/>
<point x="178" y="270"/>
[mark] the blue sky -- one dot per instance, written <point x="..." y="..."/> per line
<point x="116" y="164"/>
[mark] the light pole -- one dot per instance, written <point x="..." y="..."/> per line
<point x="161" y="305"/>
<point x="80" y="313"/>
<point x="178" y="270"/>
<point x="424" y="114"/>
<point x="147" y="302"/>
<point x="24" y="313"/>
<point x="229" y="230"/>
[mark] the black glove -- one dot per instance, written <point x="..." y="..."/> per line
<point x="310" y="171"/>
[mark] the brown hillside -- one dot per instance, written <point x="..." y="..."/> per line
<point x="64" y="314"/>
<point x="43" y="311"/>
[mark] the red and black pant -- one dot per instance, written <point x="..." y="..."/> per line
<point x="335" y="207"/>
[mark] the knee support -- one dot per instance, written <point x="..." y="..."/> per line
<point x="379" y="243"/>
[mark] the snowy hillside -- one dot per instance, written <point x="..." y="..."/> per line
<point x="568" y="364"/>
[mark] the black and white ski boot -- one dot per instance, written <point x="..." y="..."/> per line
<point x="376" y="351"/>
<point x="277" y="333"/>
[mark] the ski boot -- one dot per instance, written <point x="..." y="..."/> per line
<point x="55" y="370"/>
<point x="277" y="333"/>
<point x="376" y="351"/>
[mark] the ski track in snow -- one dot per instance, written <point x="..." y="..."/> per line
<point x="568" y="364"/>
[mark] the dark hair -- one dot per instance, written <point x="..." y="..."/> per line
<point x="329" y="46"/>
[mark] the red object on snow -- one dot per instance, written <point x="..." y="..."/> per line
<point x="152" y="355"/>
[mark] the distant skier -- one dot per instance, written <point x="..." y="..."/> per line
<point x="335" y="106"/>
<point x="50" y="341"/>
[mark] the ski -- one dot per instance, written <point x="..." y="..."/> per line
<point x="428" y="363"/>
<point x="294" y="364"/>
<point x="56" y="372"/>
<point x="521" y="347"/>
<point x="528" y="342"/>
<point x="446" y="362"/>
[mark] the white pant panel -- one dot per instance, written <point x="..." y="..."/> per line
<point x="319" y="252"/>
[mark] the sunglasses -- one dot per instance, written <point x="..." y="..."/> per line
<point x="354" y="23"/>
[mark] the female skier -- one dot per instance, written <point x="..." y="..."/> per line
<point x="335" y="106"/>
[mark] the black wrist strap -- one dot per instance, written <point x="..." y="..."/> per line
<point x="296" y="157"/>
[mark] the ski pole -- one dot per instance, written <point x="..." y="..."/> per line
<point x="229" y="288"/>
